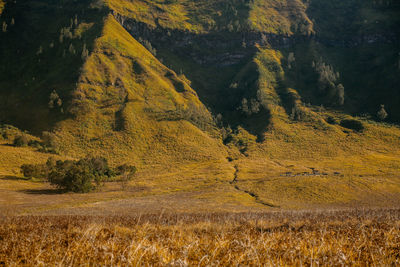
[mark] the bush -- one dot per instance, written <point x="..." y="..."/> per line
<point x="126" y="173"/>
<point x="331" y="120"/>
<point x="34" y="170"/>
<point x="80" y="176"/>
<point x="21" y="141"/>
<point x="352" y="124"/>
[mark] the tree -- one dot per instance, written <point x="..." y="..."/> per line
<point x="382" y="114"/>
<point x="85" y="52"/>
<point x="254" y="106"/>
<point x="291" y="59"/>
<point x="340" y="94"/>
<point x="71" y="49"/>
<point x="40" y="50"/>
<point x="80" y="176"/>
<point x="244" y="107"/>
<point x="54" y="100"/>
<point x="126" y="173"/>
<point x="21" y="141"/>
<point x="34" y="170"/>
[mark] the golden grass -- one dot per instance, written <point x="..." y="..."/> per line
<point x="272" y="16"/>
<point x="280" y="17"/>
<point x="327" y="238"/>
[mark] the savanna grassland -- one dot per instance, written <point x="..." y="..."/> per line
<point x="327" y="238"/>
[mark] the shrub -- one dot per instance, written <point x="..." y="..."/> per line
<point x="382" y="114"/>
<point x="49" y="144"/>
<point x="21" y="141"/>
<point x="80" y="176"/>
<point x="34" y="170"/>
<point x="126" y="173"/>
<point x="331" y="120"/>
<point x="352" y="124"/>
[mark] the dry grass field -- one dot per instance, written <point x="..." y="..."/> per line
<point x="310" y="238"/>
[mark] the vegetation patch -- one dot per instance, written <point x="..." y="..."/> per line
<point x="352" y="124"/>
<point x="81" y="176"/>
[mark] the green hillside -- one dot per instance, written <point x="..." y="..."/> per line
<point x="263" y="102"/>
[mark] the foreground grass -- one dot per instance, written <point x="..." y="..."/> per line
<point x="356" y="237"/>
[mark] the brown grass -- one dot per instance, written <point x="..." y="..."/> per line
<point x="347" y="237"/>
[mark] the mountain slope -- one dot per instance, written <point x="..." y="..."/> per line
<point x="241" y="101"/>
<point x="128" y="101"/>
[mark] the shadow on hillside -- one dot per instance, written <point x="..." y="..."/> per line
<point x="42" y="191"/>
<point x="28" y="83"/>
<point x="14" y="178"/>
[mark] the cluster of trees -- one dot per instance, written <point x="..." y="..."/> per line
<point x="48" y="145"/>
<point x="80" y="176"/>
<point x="66" y="32"/>
<point x="328" y="84"/>
<point x="250" y="107"/>
<point x="70" y="32"/>
<point x="54" y="100"/>
<point x="148" y="46"/>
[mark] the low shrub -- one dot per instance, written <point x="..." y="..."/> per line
<point x="21" y="141"/>
<point x="331" y="120"/>
<point x="34" y="170"/>
<point x="352" y="124"/>
<point x="80" y="176"/>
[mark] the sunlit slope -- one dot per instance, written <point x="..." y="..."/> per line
<point x="129" y="106"/>
<point x="305" y="161"/>
<point x="271" y="16"/>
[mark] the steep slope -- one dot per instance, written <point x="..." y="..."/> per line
<point x="362" y="48"/>
<point x="86" y="78"/>
<point x="126" y="102"/>
<point x="41" y="52"/>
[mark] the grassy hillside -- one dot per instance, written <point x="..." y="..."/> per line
<point x="41" y="52"/>
<point x="129" y="104"/>
<point x="228" y="101"/>
<point x="272" y="16"/>
<point x="194" y="16"/>
<point x="280" y="17"/>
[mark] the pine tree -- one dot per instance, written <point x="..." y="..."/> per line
<point x="340" y="94"/>
<point x="85" y="52"/>
<point x="40" y="50"/>
<point x="71" y="49"/>
<point x="382" y="114"/>
<point x="291" y="59"/>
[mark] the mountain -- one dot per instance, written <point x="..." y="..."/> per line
<point x="243" y="91"/>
